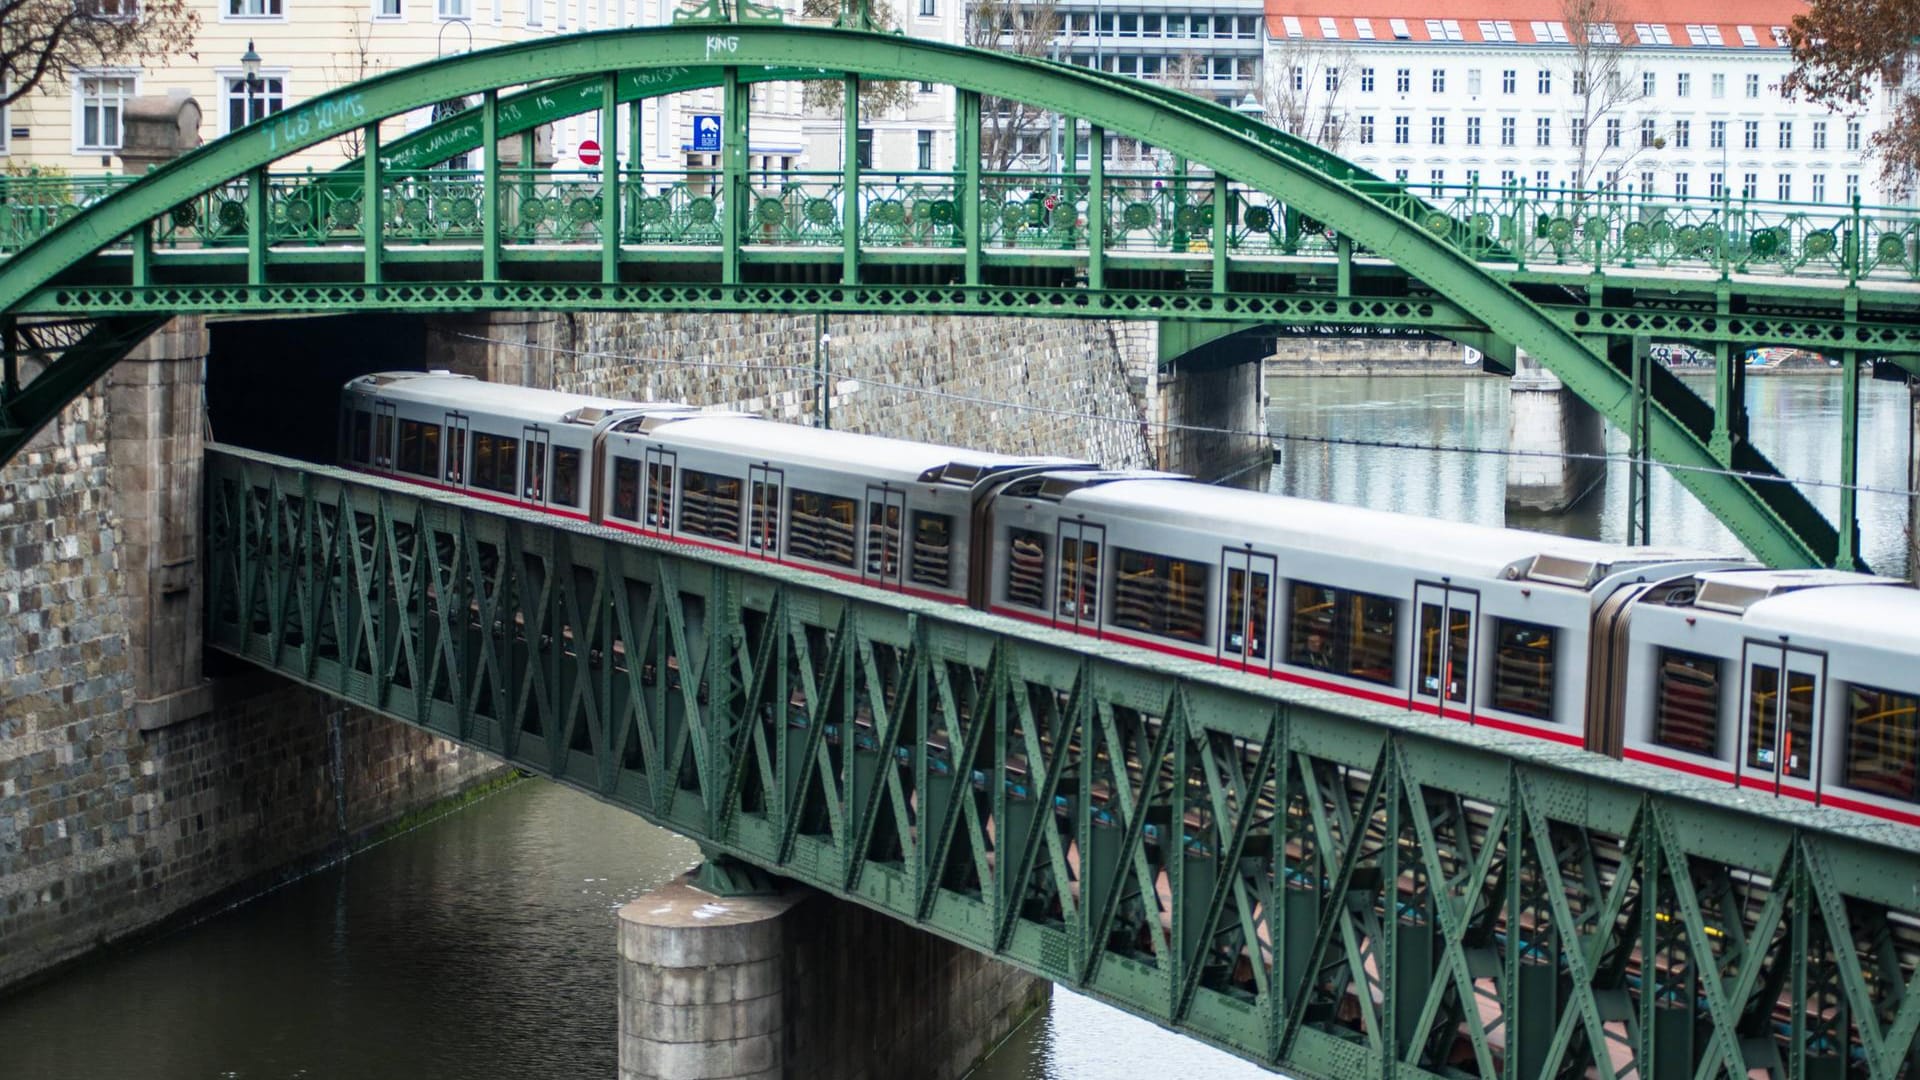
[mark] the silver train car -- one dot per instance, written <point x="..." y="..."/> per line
<point x="1801" y="684"/>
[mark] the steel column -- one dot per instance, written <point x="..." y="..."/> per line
<point x="850" y="180"/>
<point x="372" y="216"/>
<point x="967" y="144"/>
<point x="735" y="104"/>
<point x="610" y="194"/>
<point x="490" y="192"/>
<point x="1097" y="207"/>
<point x="257" y="183"/>
<point x="1222" y="224"/>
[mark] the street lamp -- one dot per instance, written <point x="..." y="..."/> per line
<point x="250" y="69"/>
<point x="1251" y="108"/>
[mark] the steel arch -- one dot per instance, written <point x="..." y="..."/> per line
<point x="1133" y="110"/>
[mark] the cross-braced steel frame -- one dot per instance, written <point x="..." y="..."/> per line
<point x="1327" y="888"/>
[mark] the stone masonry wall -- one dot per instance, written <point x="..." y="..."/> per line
<point x="107" y="828"/>
<point x="1070" y="378"/>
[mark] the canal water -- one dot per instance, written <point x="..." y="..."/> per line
<point x="482" y="944"/>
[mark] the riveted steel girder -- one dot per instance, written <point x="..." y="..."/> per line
<point x="1778" y="525"/>
<point x="1328" y="888"/>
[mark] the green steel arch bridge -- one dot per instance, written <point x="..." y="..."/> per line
<point x="1250" y="229"/>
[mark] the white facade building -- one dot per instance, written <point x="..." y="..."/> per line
<point x="1672" y="99"/>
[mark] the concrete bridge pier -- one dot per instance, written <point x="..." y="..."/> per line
<point x="801" y="984"/>
<point x="1545" y="417"/>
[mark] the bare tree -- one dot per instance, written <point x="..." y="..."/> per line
<point x="357" y="62"/>
<point x="1301" y="92"/>
<point x="1604" y="88"/>
<point x="42" y="40"/>
<point x="1023" y="29"/>
<point x="876" y="98"/>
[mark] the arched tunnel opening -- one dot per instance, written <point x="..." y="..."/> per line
<point x="274" y="384"/>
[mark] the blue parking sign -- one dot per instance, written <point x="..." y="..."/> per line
<point x="706" y="132"/>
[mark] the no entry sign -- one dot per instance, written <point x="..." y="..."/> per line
<point x="589" y="152"/>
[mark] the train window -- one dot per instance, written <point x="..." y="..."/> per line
<point x="1523" y="668"/>
<point x="496" y="462"/>
<point x="710" y="505"/>
<point x="1027" y="568"/>
<point x="763" y="529"/>
<point x="659" y="494"/>
<point x="1079" y="578"/>
<point x="820" y="527"/>
<point x="1160" y="594"/>
<point x="1686" y="709"/>
<point x="1244" y="624"/>
<point x="932" y="549"/>
<point x="566" y="475"/>
<point x="456" y="454"/>
<point x="1458" y="634"/>
<point x="1883" y="742"/>
<point x="536" y="478"/>
<point x="883" y="539"/>
<point x="383" y="439"/>
<point x="360" y="442"/>
<point x="626" y="489"/>
<point x="1763" y="721"/>
<point x="419" y="449"/>
<point x="1342" y="631"/>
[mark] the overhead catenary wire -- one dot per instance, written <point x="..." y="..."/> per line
<point x="808" y="372"/>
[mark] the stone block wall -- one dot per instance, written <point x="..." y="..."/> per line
<point x="131" y="788"/>
<point x="1018" y="386"/>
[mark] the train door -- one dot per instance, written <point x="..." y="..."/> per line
<point x="886" y="523"/>
<point x="1246" y="610"/>
<point x="385" y="424"/>
<point x="533" y="469"/>
<point x="763" y="523"/>
<point x="1780" y="748"/>
<point x="1444" y="645"/>
<point x="454" y="468"/>
<point x="659" y="481"/>
<point x="1080" y="546"/>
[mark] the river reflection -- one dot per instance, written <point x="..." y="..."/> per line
<point x="1795" y="421"/>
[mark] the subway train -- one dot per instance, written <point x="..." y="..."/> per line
<point x="1803" y="684"/>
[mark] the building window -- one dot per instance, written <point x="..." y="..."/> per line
<point x="1509" y="81"/>
<point x="1579" y="84"/>
<point x="1613" y="131"/>
<point x="1333" y="80"/>
<point x="1366" y="130"/>
<point x="1683" y="85"/>
<point x="1577" y="131"/>
<point x="1786" y="134"/>
<point x="863" y="149"/>
<point x="1473" y="131"/>
<point x="1473" y="82"/>
<point x="1682" y="134"/>
<point x="927" y="9"/>
<point x="1819" y="134"/>
<point x="1403" y="80"/>
<point x="1647" y="135"/>
<point x="1546" y="80"/>
<point x="1750" y="186"/>
<point x="1784" y="188"/>
<point x="102" y="101"/>
<point x="1717" y="134"/>
<point x="1439" y="131"/>
<point x="1366" y="80"/>
<point x="1853" y="186"/>
<point x="1853" y="135"/>
<point x="1439" y="80"/>
<point x="1753" y="86"/>
<point x="1680" y="185"/>
<point x="1543" y="131"/>
<point x="1400" y="176"/>
<point x="1299" y="77"/>
<point x="1648" y="83"/>
<point x="1507" y="178"/>
<point x="1438" y="179"/>
<point x="388" y="9"/>
<point x="253" y="9"/>
<point x="1752" y="135"/>
<point x="1402" y="130"/>
<point x="1473" y="178"/>
<point x="1646" y="183"/>
<point x="1508" y="125"/>
<point x="267" y="96"/>
<point x="454" y="9"/>
<point x="1819" y="187"/>
<point x="1719" y="85"/>
<point x="1716" y="185"/>
<point x="1542" y="181"/>
<point x="536" y="11"/>
<point x="924" y="141"/>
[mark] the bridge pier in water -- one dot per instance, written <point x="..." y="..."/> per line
<point x="1548" y="419"/>
<point x="801" y="984"/>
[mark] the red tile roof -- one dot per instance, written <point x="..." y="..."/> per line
<point x="1760" y="17"/>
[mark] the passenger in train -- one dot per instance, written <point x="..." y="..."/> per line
<point x="1317" y="655"/>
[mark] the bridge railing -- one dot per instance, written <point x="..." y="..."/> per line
<point x="1144" y="213"/>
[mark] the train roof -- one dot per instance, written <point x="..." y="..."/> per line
<point x="1435" y="546"/>
<point x="1833" y="604"/>
<point x="441" y="389"/>
<point x="892" y="460"/>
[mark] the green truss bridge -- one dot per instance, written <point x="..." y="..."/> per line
<point x="1332" y="889"/>
<point x="1249" y="229"/>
